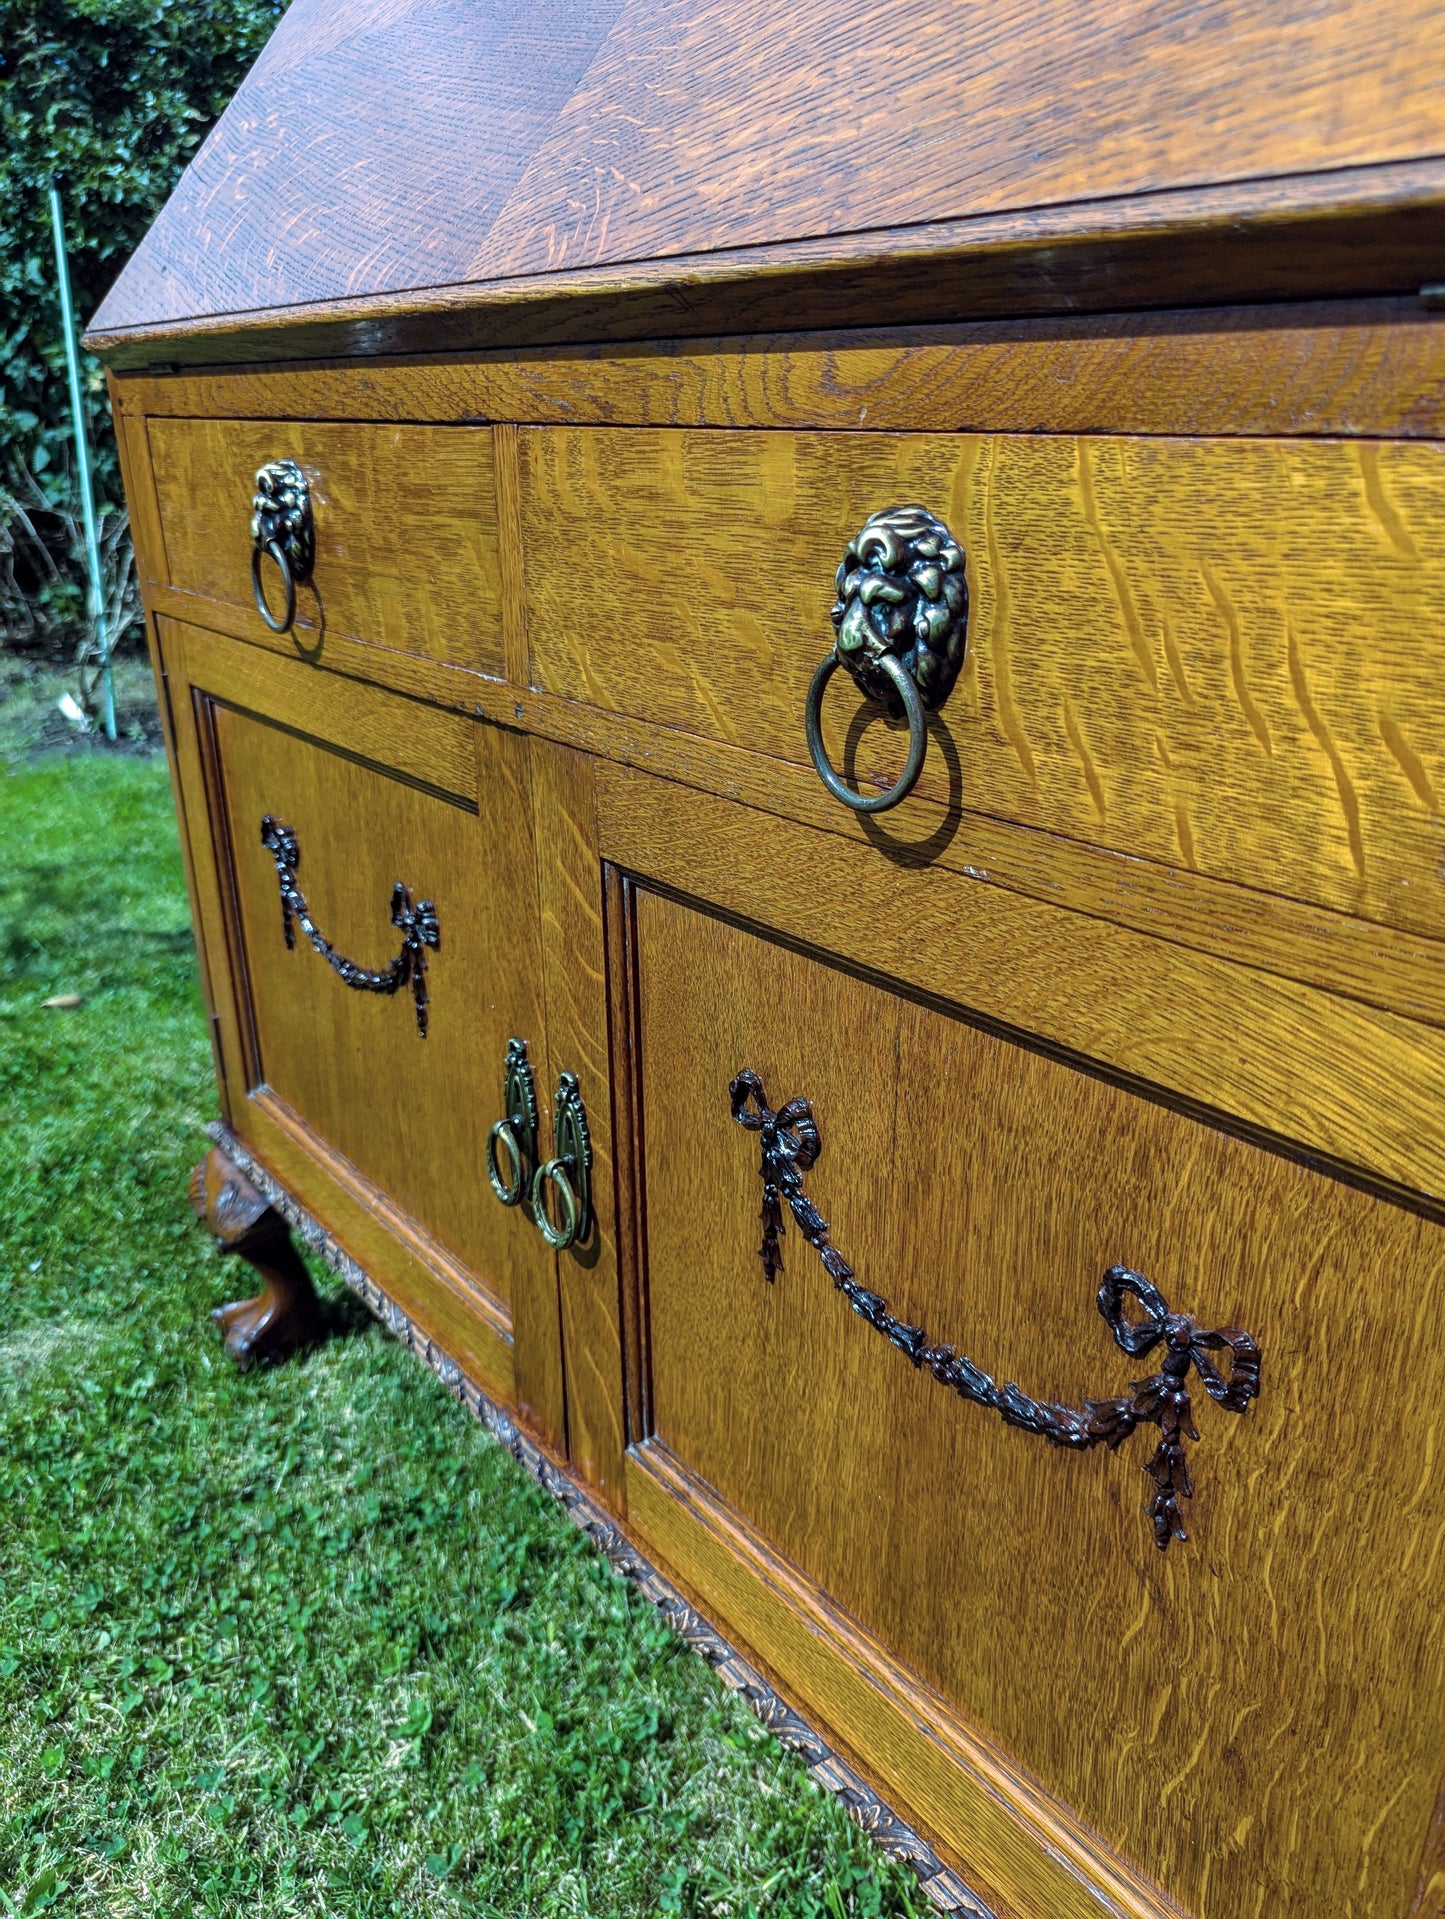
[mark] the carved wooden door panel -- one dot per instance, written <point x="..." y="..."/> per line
<point x="367" y="877"/>
<point x="961" y="1422"/>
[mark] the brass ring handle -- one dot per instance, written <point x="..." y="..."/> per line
<point x="516" y="1131"/>
<point x="569" y="1170"/>
<point x="288" y="580"/>
<point x="281" y="527"/>
<point x="901" y="617"/>
<point x="917" y="736"/>
<point x="559" y="1238"/>
<point x="508" y="1191"/>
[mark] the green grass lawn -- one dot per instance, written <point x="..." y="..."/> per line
<point x="303" y="1641"/>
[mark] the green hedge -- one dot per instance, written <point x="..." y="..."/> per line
<point x="110" y="98"/>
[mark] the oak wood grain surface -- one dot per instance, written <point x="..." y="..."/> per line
<point x="379" y="790"/>
<point x="511" y="555"/>
<point x="1360" y="1088"/>
<point x="574" y="988"/>
<point x="1382" y="966"/>
<point x="1355" y="231"/>
<point x="699" y="126"/>
<point x="436" y="1291"/>
<point x="432" y="747"/>
<point x="410" y="145"/>
<point x="473" y="1324"/>
<point x="1214" y="654"/>
<point x="1348" y="367"/>
<point x="1021" y="1849"/>
<point x="406" y="529"/>
<point x="146" y="540"/>
<point x="410" y="1112"/>
<point x="630" y="1218"/>
<point x="1249" y="1718"/>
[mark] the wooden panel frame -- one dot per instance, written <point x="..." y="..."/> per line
<point x="139" y="485"/>
<point x="1192" y="651"/>
<point x="407" y="541"/>
<point x="1020" y="1846"/>
<point x="1357" y="958"/>
<point x="1343" y="367"/>
<point x="1356" y="231"/>
<point x="575" y="991"/>
<point x="433" y="749"/>
<point x="1023" y="1851"/>
<point x="1257" y="1054"/>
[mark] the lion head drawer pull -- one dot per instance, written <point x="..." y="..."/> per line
<point x="281" y="528"/>
<point x="902" y="625"/>
<point x="516" y="1134"/>
<point x="569" y="1170"/>
<point x="791" y="1144"/>
<point x="418" y="926"/>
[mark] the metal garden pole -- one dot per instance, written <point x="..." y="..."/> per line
<point x="82" y="462"/>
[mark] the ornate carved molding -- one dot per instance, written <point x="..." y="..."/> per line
<point x="945" y="1889"/>
<point x="790" y="1143"/>
<point x="282" y="526"/>
<point x="903" y="590"/>
<point x="281" y="515"/>
<point x="417" y="924"/>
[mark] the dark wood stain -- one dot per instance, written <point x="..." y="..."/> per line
<point x="395" y="153"/>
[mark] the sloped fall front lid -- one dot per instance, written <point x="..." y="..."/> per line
<point x="411" y="151"/>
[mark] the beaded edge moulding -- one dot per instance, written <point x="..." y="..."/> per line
<point x="898" y="1841"/>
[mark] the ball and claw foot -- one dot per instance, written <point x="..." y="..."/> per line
<point x="285" y="1314"/>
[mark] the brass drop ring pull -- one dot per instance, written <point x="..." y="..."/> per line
<point x="557" y="1237"/>
<point x="281" y="529"/>
<point x="917" y="737"/>
<point x="569" y="1170"/>
<point x="288" y="584"/>
<point x="901" y="618"/>
<point x="509" y="1190"/>
<point x="516" y="1134"/>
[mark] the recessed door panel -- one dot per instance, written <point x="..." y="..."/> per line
<point x="1241" y="1714"/>
<point x="409" y="1108"/>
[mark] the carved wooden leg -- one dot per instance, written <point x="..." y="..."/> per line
<point x="285" y="1313"/>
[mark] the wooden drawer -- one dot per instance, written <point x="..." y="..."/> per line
<point x="1223" y="655"/>
<point x="373" y="1105"/>
<point x="406" y="529"/>
<point x="1244" y="1720"/>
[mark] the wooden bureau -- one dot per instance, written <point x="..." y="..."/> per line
<point x="976" y="1261"/>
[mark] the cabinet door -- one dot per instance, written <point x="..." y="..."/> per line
<point x="1243" y="1721"/>
<point x="368" y="883"/>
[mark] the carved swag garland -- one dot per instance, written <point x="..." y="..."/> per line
<point x="790" y="1143"/>
<point x="417" y="924"/>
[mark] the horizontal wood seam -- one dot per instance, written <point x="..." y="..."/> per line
<point x="625" y="742"/>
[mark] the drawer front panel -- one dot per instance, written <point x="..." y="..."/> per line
<point x="410" y="1113"/>
<point x="1248" y="1716"/>
<point x="1218" y="654"/>
<point x="406" y="528"/>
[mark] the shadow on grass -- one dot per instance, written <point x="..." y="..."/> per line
<point x="81" y="912"/>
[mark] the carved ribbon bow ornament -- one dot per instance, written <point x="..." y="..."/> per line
<point x="417" y="924"/>
<point x="790" y="1143"/>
